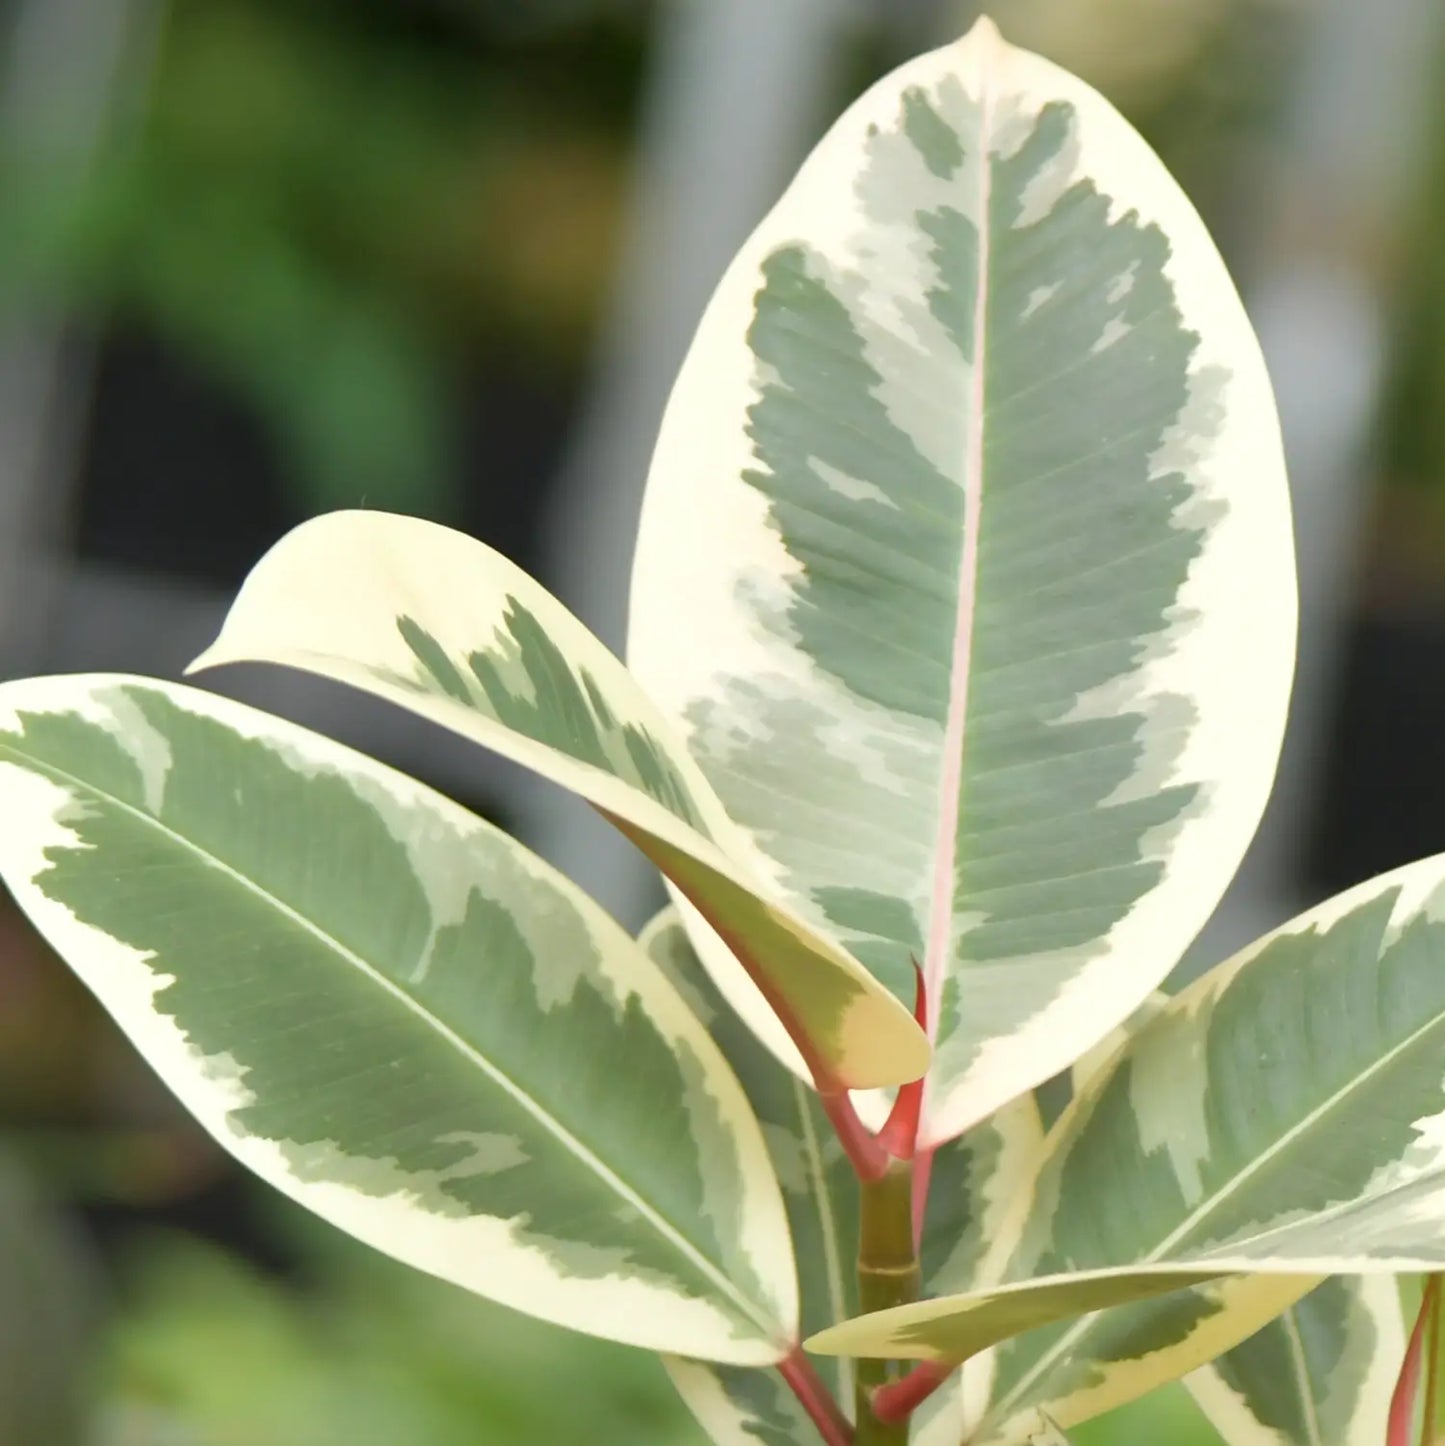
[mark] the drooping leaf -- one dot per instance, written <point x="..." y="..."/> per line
<point x="973" y="1180"/>
<point x="965" y="560"/>
<point x="395" y="1014"/>
<point x="1322" y="1373"/>
<point x="443" y="625"/>
<point x="1282" y="1115"/>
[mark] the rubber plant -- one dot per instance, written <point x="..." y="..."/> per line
<point x="962" y="633"/>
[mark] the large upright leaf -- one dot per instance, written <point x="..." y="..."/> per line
<point x="1320" y="1374"/>
<point x="443" y="625"/>
<point x="973" y="1179"/>
<point x="1282" y="1115"/>
<point x="395" y="1014"/>
<point x="965" y="558"/>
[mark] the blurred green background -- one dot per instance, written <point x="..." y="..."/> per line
<point x="261" y="258"/>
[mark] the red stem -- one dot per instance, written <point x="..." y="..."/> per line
<point x="868" y="1157"/>
<point x="899" y="1135"/>
<point x="898" y="1400"/>
<point x="816" y="1399"/>
<point x="1402" y="1403"/>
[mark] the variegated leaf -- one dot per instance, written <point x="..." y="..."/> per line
<point x="1182" y="1325"/>
<point x="1088" y="1065"/>
<point x="965" y="558"/>
<point x="974" y="1188"/>
<point x="973" y="1181"/>
<point x="443" y="625"/>
<point x="1281" y="1115"/>
<point x="1121" y="1354"/>
<point x="740" y="1407"/>
<point x="395" y="1014"/>
<point x="1320" y="1375"/>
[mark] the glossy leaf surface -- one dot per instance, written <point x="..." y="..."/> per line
<point x="1322" y="1373"/>
<point x="443" y="625"/>
<point x="965" y="560"/>
<point x="395" y="1014"/>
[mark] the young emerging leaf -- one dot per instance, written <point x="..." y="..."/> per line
<point x="965" y="559"/>
<point x="395" y="1014"/>
<point x="1321" y="1373"/>
<point x="1281" y="1115"/>
<point x="441" y="624"/>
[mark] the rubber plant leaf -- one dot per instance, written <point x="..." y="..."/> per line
<point x="1322" y="1372"/>
<point x="965" y="560"/>
<point x="395" y="1014"/>
<point x="443" y="625"/>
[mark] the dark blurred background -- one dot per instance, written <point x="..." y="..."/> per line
<point x="263" y="258"/>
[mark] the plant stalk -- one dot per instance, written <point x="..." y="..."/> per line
<point x="869" y="1159"/>
<point x="815" y="1398"/>
<point x="899" y="1399"/>
<point x="888" y="1275"/>
<point x="1402" y="1403"/>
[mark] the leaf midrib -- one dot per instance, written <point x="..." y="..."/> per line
<point x="664" y="1227"/>
<point x="1290" y="1322"/>
<point x="938" y="937"/>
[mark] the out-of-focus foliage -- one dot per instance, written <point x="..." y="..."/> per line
<point x="1413" y="432"/>
<point x="1203" y="79"/>
<point x="334" y="211"/>
<point x="46" y="1317"/>
<point x="204" y="1349"/>
<point x="212" y="1353"/>
<point x="1163" y="1415"/>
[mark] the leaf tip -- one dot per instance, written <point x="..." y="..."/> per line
<point x="984" y="38"/>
